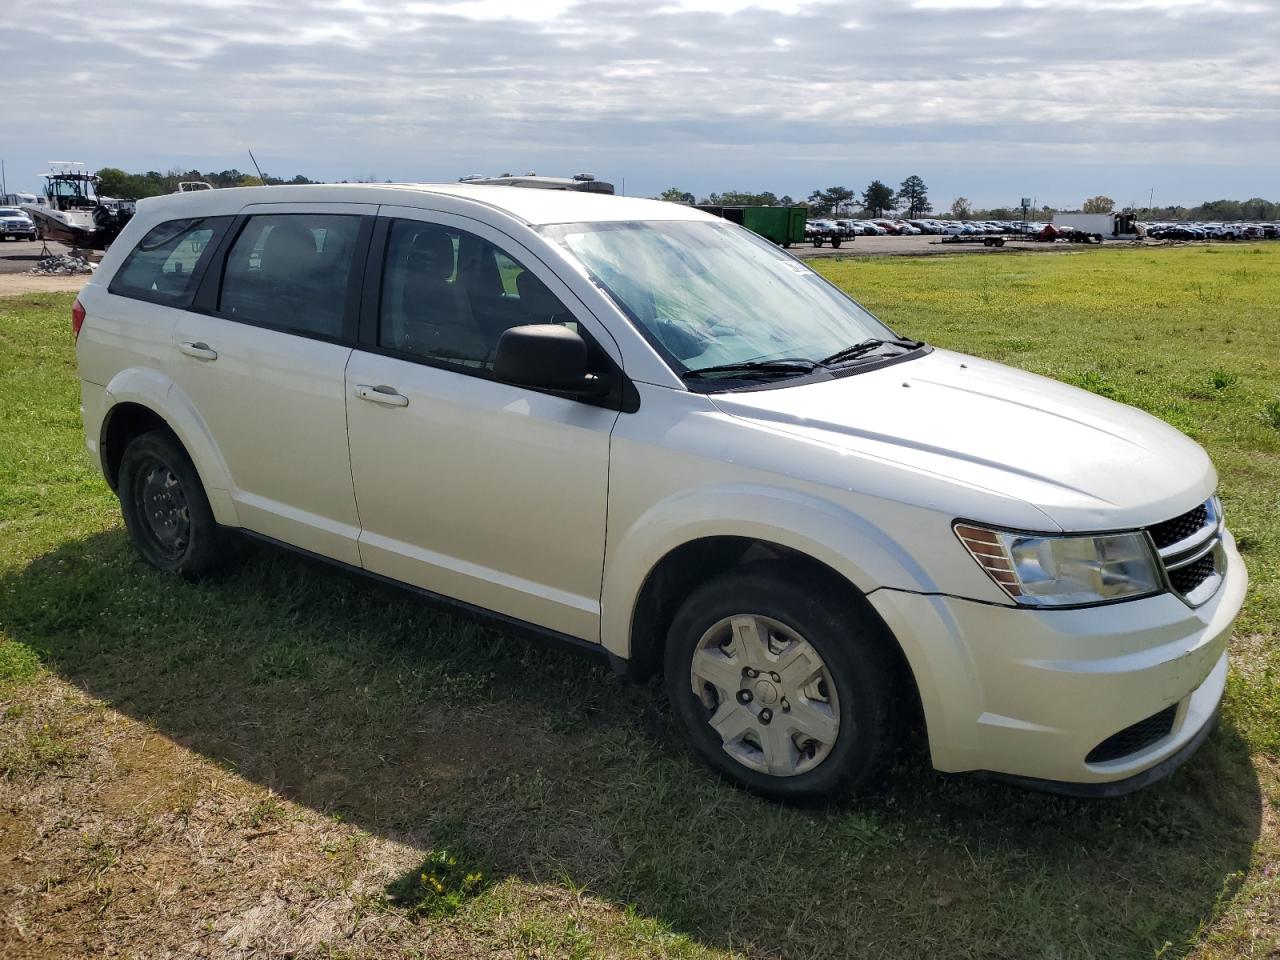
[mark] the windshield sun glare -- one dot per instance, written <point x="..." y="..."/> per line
<point x="714" y="294"/>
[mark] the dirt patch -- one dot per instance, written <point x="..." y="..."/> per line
<point x="141" y="847"/>
<point x="1251" y="653"/>
<point x="15" y="284"/>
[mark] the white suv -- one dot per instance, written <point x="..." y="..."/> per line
<point x="644" y="430"/>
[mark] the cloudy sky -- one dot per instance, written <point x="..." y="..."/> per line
<point x="990" y="99"/>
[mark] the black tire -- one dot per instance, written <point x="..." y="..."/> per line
<point x="856" y="654"/>
<point x="166" y="510"/>
<point x="835" y="242"/>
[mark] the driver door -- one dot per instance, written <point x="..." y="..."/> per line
<point x="473" y="489"/>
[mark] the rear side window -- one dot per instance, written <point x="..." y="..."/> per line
<point x="166" y="265"/>
<point x="291" y="272"/>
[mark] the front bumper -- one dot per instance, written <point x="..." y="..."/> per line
<point x="1029" y="693"/>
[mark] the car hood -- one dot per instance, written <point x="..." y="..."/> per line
<point x="1085" y="462"/>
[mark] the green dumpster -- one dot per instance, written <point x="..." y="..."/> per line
<point x="783" y="225"/>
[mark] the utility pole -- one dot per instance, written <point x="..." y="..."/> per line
<point x="4" y="184"/>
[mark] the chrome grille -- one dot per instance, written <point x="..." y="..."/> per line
<point x="1186" y="579"/>
<point x="1179" y="528"/>
<point x="1190" y="547"/>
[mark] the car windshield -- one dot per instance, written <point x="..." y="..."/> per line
<point x="714" y="294"/>
<point x="9" y="212"/>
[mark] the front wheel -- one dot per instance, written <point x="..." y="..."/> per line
<point x="783" y="687"/>
<point x="166" y="510"/>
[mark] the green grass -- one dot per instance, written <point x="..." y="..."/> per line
<point x="593" y="834"/>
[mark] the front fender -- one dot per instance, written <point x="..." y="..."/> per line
<point x="860" y="551"/>
<point x="155" y="391"/>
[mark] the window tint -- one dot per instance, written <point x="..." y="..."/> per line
<point x="291" y="271"/>
<point x="448" y="295"/>
<point x="166" y="265"/>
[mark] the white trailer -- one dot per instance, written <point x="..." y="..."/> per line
<point x="1100" y="225"/>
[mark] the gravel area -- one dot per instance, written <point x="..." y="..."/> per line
<point x="18" y="258"/>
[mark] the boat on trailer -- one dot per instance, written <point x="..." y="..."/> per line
<point x="73" y="212"/>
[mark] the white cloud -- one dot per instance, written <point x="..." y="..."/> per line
<point x="689" y="89"/>
<point x="537" y="10"/>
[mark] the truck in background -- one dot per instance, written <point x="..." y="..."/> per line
<point x="1103" y="226"/>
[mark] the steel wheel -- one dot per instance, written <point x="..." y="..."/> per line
<point x="162" y="503"/>
<point x="767" y="694"/>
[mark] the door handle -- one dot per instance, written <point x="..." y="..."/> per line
<point x="200" y="350"/>
<point x="383" y="394"/>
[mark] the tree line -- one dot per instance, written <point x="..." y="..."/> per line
<point x="114" y="182"/>
<point x="878" y="199"/>
<point x="911" y="200"/>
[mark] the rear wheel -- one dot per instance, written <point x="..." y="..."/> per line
<point x="782" y="687"/>
<point x="166" y="510"/>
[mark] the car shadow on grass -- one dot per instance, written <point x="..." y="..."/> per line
<point x="359" y="700"/>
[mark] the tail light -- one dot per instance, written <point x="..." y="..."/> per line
<point x="77" y="319"/>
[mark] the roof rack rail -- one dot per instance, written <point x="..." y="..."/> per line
<point x="581" y="182"/>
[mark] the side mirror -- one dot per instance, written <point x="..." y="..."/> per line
<point x="547" y="356"/>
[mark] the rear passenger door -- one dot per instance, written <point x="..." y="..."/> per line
<point x="261" y="356"/>
<point x="134" y="321"/>
<point x="478" y="490"/>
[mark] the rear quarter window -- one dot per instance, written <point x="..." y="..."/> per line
<point x="166" y="265"/>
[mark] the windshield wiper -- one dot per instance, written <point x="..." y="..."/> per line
<point x="755" y="368"/>
<point x="866" y="346"/>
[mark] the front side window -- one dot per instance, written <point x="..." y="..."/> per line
<point x="448" y="295"/>
<point x="291" y="271"/>
<point x="166" y="265"/>
<point x="714" y="294"/>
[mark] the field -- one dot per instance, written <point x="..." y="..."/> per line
<point x="295" y="762"/>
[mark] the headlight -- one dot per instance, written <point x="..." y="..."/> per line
<point x="1057" y="571"/>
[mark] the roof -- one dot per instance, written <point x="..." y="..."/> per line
<point x="534" y="207"/>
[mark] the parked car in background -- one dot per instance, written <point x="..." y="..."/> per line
<point x="16" y="225"/>
<point x="820" y="532"/>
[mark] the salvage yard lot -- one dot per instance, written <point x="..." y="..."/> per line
<point x="272" y="764"/>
